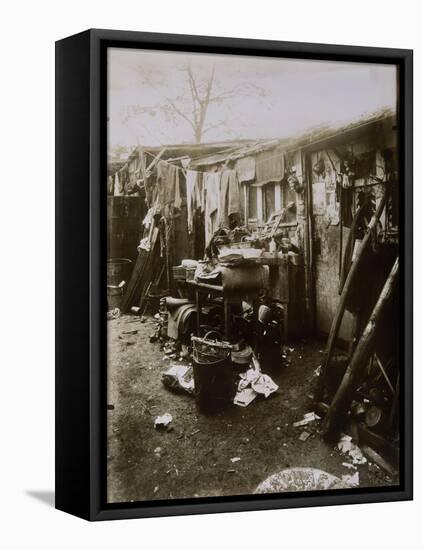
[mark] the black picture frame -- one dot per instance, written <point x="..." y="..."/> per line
<point x="81" y="264"/>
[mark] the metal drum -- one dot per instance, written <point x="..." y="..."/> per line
<point x="245" y="278"/>
<point x="118" y="270"/>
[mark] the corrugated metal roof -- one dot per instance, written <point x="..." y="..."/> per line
<point x="302" y="140"/>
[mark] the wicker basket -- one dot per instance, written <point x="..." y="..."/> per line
<point x="206" y="350"/>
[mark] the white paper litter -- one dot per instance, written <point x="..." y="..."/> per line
<point x="244" y="397"/>
<point x="307" y="418"/>
<point x="264" y="385"/>
<point x="349" y="466"/>
<point x="346" y="446"/>
<point x="352" y="480"/>
<point x="163" y="421"/>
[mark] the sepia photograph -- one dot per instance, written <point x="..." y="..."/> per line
<point x="253" y="266"/>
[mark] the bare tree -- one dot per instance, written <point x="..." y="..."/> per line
<point x="199" y="92"/>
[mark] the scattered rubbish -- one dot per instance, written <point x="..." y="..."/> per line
<point x="235" y="459"/>
<point x="351" y="480"/>
<point x="162" y="422"/>
<point x="357" y="456"/>
<point x="129" y="343"/>
<point x="231" y="471"/>
<point x="244" y="397"/>
<point x="318" y="371"/>
<point x="264" y="385"/>
<point x="195" y="432"/>
<point x="130" y="332"/>
<point x="247" y="378"/>
<point x="346" y="446"/>
<point x="349" y="466"/>
<point x="304" y="436"/>
<point x="252" y="383"/>
<point x="184" y="351"/>
<point x="156" y="488"/>
<point x="179" y="378"/>
<point x="157" y="451"/>
<point x="113" y="314"/>
<point x="307" y="418"/>
<point x="135" y="310"/>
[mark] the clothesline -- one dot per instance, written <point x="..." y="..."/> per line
<point x="184" y="170"/>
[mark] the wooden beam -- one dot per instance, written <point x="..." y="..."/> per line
<point x="156" y="159"/>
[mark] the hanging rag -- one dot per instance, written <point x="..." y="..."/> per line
<point x="270" y="166"/>
<point x="178" y="198"/>
<point x="191" y="179"/>
<point x="234" y="201"/>
<point x="212" y="185"/>
<point x="117" y="191"/>
<point x="246" y="169"/>
<point x="110" y="185"/>
<point x="168" y="182"/>
<point x="229" y="199"/>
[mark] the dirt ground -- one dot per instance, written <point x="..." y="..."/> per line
<point x="194" y="458"/>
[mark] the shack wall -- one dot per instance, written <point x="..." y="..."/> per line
<point x="326" y="213"/>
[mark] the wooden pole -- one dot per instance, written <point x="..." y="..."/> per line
<point x="336" y="323"/>
<point x="308" y="243"/>
<point x="364" y="349"/>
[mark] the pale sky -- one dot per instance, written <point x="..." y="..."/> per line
<point x="270" y="97"/>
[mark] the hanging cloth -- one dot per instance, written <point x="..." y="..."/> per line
<point x="168" y="183"/>
<point x="212" y="190"/>
<point x="117" y="191"/>
<point x="191" y="180"/>
<point x="246" y="169"/>
<point x="270" y="166"/>
<point x="229" y="199"/>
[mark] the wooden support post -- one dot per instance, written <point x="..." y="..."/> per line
<point x="198" y="303"/>
<point x="342" y="400"/>
<point x="227" y="318"/>
<point x="308" y="244"/>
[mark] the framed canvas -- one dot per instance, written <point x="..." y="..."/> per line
<point x="233" y="274"/>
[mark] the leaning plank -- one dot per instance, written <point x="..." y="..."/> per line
<point x="361" y="355"/>
<point x="137" y="281"/>
<point x="336" y="323"/>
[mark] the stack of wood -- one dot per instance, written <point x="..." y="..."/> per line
<point x="144" y="272"/>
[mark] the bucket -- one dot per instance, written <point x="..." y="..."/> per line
<point x="213" y="378"/>
<point x="114" y="297"/>
<point x="118" y="269"/>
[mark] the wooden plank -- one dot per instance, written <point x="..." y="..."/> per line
<point x="381" y="445"/>
<point x="156" y="159"/>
